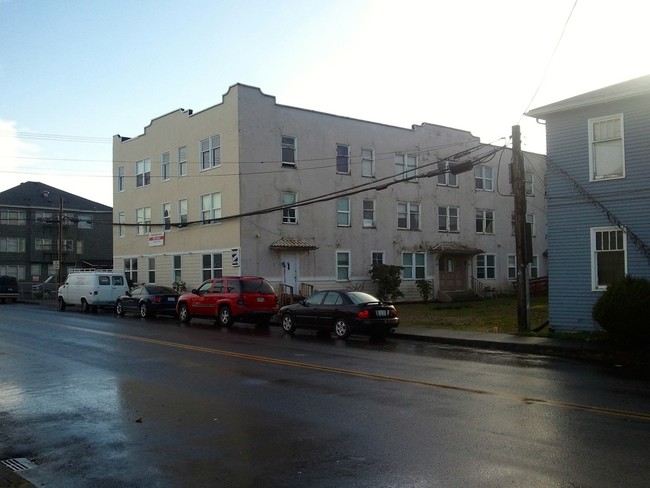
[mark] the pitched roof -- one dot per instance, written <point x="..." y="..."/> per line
<point x="619" y="91"/>
<point x="292" y="243"/>
<point x="447" y="247"/>
<point x="39" y="195"/>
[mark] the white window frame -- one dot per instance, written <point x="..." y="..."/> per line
<point x="177" y="268"/>
<point x="342" y="159"/>
<point x="165" y="166"/>
<point x="486" y="266"/>
<point x="289" y="214"/>
<point x="487" y="221"/>
<point x="343" y="267"/>
<point x="343" y="212"/>
<point x="530" y="184"/>
<point x="213" y="269"/>
<point x="43" y="245"/>
<point x="410" y="212"/>
<point x="606" y="146"/>
<point x="182" y="212"/>
<point x="483" y="178"/>
<point x="620" y="245"/>
<point x="166" y="212"/>
<point x="121" y="220"/>
<point x="533" y="267"/>
<point x="406" y="166"/>
<point x="13" y="217"/>
<point x="377" y="257"/>
<point x="210" y="205"/>
<point x="288" y="145"/>
<point x="447" y="221"/>
<point x="142" y="173"/>
<point x="120" y="179"/>
<point x="210" y="151"/>
<point x="414" y="265"/>
<point x="368" y="213"/>
<point x="143" y="219"/>
<point x="367" y="162"/>
<point x="182" y="161"/>
<point x="447" y="178"/>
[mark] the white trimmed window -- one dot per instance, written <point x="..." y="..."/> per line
<point x="121" y="220"/>
<point x="530" y="221"/>
<point x="343" y="212"/>
<point x="182" y="212"/>
<point x="290" y="214"/>
<point x="342" y="159"/>
<point x="408" y="215"/>
<point x="414" y="265"/>
<point x="486" y="266"/>
<point x="182" y="161"/>
<point x="483" y="178"/>
<point x="143" y="219"/>
<point x="288" y="145"/>
<point x="165" y="166"/>
<point x="530" y="184"/>
<point x="211" y="208"/>
<point x="143" y="173"/>
<point x="211" y="152"/>
<point x="377" y="257"/>
<point x="448" y="219"/>
<point x="167" y="216"/>
<point x="606" y="148"/>
<point x="152" y="269"/>
<point x="406" y="166"/>
<point x="367" y="162"/>
<point x="177" y="268"/>
<point x="43" y="245"/>
<point x="446" y="178"/>
<point x="484" y="221"/>
<point x="131" y="269"/>
<point x="342" y="266"/>
<point x="369" y="213"/>
<point x="212" y="266"/>
<point x="533" y="270"/>
<point x="609" y="256"/>
<point x="120" y="179"/>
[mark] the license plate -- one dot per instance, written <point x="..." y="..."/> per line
<point x="171" y="299"/>
<point x="381" y="313"/>
<point x="260" y="299"/>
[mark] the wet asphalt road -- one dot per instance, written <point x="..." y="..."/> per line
<point x="102" y="401"/>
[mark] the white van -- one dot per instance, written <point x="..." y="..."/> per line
<point x="92" y="289"/>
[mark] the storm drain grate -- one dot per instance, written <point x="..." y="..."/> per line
<point x="18" y="464"/>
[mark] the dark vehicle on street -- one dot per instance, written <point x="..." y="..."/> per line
<point x="148" y="301"/>
<point x="8" y="289"/>
<point x="343" y="312"/>
<point x="230" y="299"/>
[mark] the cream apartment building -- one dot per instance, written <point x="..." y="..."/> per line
<point x="252" y="187"/>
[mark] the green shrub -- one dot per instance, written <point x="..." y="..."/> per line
<point x="424" y="287"/>
<point x="388" y="279"/>
<point x="622" y="310"/>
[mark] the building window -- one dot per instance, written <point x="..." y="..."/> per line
<point x="167" y="216"/>
<point x="210" y="208"/>
<point x="343" y="212"/>
<point x="131" y="270"/>
<point x="80" y="247"/>
<point x="446" y="178"/>
<point x="486" y="266"/>
<point x="152" y="270"/>
<point x="414" y="265"/>
<point x="512" y="267"/>
<point x="85" y="221"/>
<point x="13" y="217"/>
<point x="534" y="267"/>
<point x="12" y="244"/>
<point x="343" y="159"/>
<point x="211" y="152"/>
<point x="68" y="245"/>
<point x="177" y="262"/>
<point x="408" y="216"/>
<point x="448" y="219"/>
<point x="609" y="256"/>
<point x="530" y="184"/>
<point x="406" y="166"/>
<point x="483" y="178"/>
<point x="121" y="219"/>
<point x="43" y="245"/>
<point x="367" y="162"/>
<point x="143" y="173"/>
<point x="606" y="148"/>
<point x="212" y="266"/>
<point x="143" y="219"/>
<point x="530" y="224"/>
<point x="377" y="257"/>
<point x="342" y="266"/>
<point x="289" y="214"/>
<point x="120" y="179"/>
<point x="288" y="145"/>
<point x="369" y="213"/>
<point x="165" y="166"/>
<point x="484" y="221"/>
<point x="182" y="213"/>
<point x="182" y="161"/>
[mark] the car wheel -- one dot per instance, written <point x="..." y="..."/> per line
<point x="341" y="328"/>
<point x="288" y="323"/>
<point x="61" y="304"/>
<point x="85" y="307"/>
<point x="225" y="317"/>
<point x="144" y="311"/>
<point x="184" y="313"/>
<point x="119" y="309"/>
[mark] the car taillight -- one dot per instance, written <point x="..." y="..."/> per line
<point x="155" y="299"/>
<point x="364" y="314"/>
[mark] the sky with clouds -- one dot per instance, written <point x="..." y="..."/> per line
<point x="75" y="73"/>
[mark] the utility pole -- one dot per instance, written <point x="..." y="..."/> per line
<point x="60" y="243"/>
<point x="519" y="191"/>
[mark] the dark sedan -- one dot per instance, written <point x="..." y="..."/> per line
<point x="147" y="301"/>
<point x="344" y="312"/>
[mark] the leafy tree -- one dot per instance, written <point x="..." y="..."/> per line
<point x="425" y="288"/>
<point x="388" y="279"/>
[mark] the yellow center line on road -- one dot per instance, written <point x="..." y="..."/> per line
<point x="644" y="416"/>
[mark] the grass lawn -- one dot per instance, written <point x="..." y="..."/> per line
<point x="482" y="316"/>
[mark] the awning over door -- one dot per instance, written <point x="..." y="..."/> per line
<point x="458" y="248"/>
<point x="293" y="244"/>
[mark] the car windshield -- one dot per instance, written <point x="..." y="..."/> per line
<point x="360" y="297"/>
<point x="256" y="286"/>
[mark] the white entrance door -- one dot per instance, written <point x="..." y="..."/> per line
<point x="290" y="271"/>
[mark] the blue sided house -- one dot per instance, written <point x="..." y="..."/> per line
<point x="598" y="190"/>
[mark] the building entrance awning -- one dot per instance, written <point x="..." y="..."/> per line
<point x="293" y="244"/>
<point x="458" y="248"/>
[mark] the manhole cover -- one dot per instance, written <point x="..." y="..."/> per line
<point x="18" y="464"/>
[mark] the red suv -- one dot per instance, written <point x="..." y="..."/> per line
<point x="242" y="298"/>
